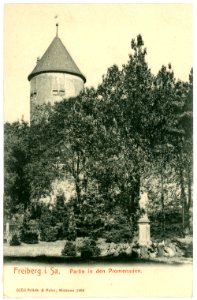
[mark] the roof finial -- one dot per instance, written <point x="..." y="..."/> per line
<point x="57" y="24"/>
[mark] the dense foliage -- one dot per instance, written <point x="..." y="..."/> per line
<point x="134" y="131"/>
<point x="69" y="249"/>
<point x="15" y="240"/>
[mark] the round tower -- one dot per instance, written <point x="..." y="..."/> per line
<point x="55" y="76"/>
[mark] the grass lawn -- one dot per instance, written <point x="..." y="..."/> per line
<point x="43" y="248"/>
<point x="54" y="249"/>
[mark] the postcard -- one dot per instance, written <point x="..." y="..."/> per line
<point x="98" y="150"/>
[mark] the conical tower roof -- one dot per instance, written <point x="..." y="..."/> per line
<point x="56" y="59"/>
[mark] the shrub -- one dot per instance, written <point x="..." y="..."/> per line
<point x="86" y="252"/>
<point x="89" y="249"/>
<point x="29" y="237"/>
<point x="15" y="240"/>
<point x="69" y="224"/>
<point x="49" y="234"/>
<point x="69" y="249"/>
<point x="71" y="236"/>
<point x="118" y="236"/>
<point x="29" y="230"/>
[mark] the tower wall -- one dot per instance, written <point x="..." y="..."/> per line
<point x="54" y="87"/>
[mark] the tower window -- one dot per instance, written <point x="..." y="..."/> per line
<point x="33" y="93"/>
<point x="62" y="92"/>
<point x="55" y="92"/>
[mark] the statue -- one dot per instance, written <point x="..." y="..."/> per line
<point x="143" y="200"/>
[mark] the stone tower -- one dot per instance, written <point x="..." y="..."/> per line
<point x="55" y="76"/>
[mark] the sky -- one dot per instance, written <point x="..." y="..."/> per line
<point x="96" y="35"/>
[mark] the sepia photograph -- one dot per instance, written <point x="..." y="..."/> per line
<point x="98" y="150"/>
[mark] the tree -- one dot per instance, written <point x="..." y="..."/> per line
<point x="167" y="135"/>
<point x="184" y="148"/>
<point x="16" y="157"/>
<point x="73" y="131"/>
<point x="163" y="120"/>
<point x="126" y="98"/>
<point x="41" y="169"/>
<point x="109" y="142"/>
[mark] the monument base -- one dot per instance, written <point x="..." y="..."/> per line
<point x="144" y="232"/>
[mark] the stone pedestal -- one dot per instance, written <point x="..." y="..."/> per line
<point x="7" y="231"/>
<point x="144" y="231"/>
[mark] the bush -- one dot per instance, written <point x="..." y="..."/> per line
<point x="49" y="234"/>
<point x="118" y="236"/>
<point x="15" y="240"/>
<point x="29" y="229"/>
<point x="71" y="236"/>
<point x="89" y="249"/>
<point x="29" y="237"/>
<point x="69" y="249"/>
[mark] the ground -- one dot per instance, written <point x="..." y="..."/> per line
<point x="43" y="248"/>
<point x="53" y="249"/>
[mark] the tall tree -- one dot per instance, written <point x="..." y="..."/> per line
<point x="16" y="157"/>
<point x="184" y="148"/>
<point x="41" y="169"/>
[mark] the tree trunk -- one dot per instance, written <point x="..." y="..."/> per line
<point x="185" y="216"/>
<point x="78" y="190"/>
<point x="162" y="168"/>
<point x="134" y="199"/>
<point x="77" y="180"/>
<point x="189" y="204"/>
<point x="189" y="192"/>
<point x="163" y="206"/>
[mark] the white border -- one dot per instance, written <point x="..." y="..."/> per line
<point x="1" y="115"/>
